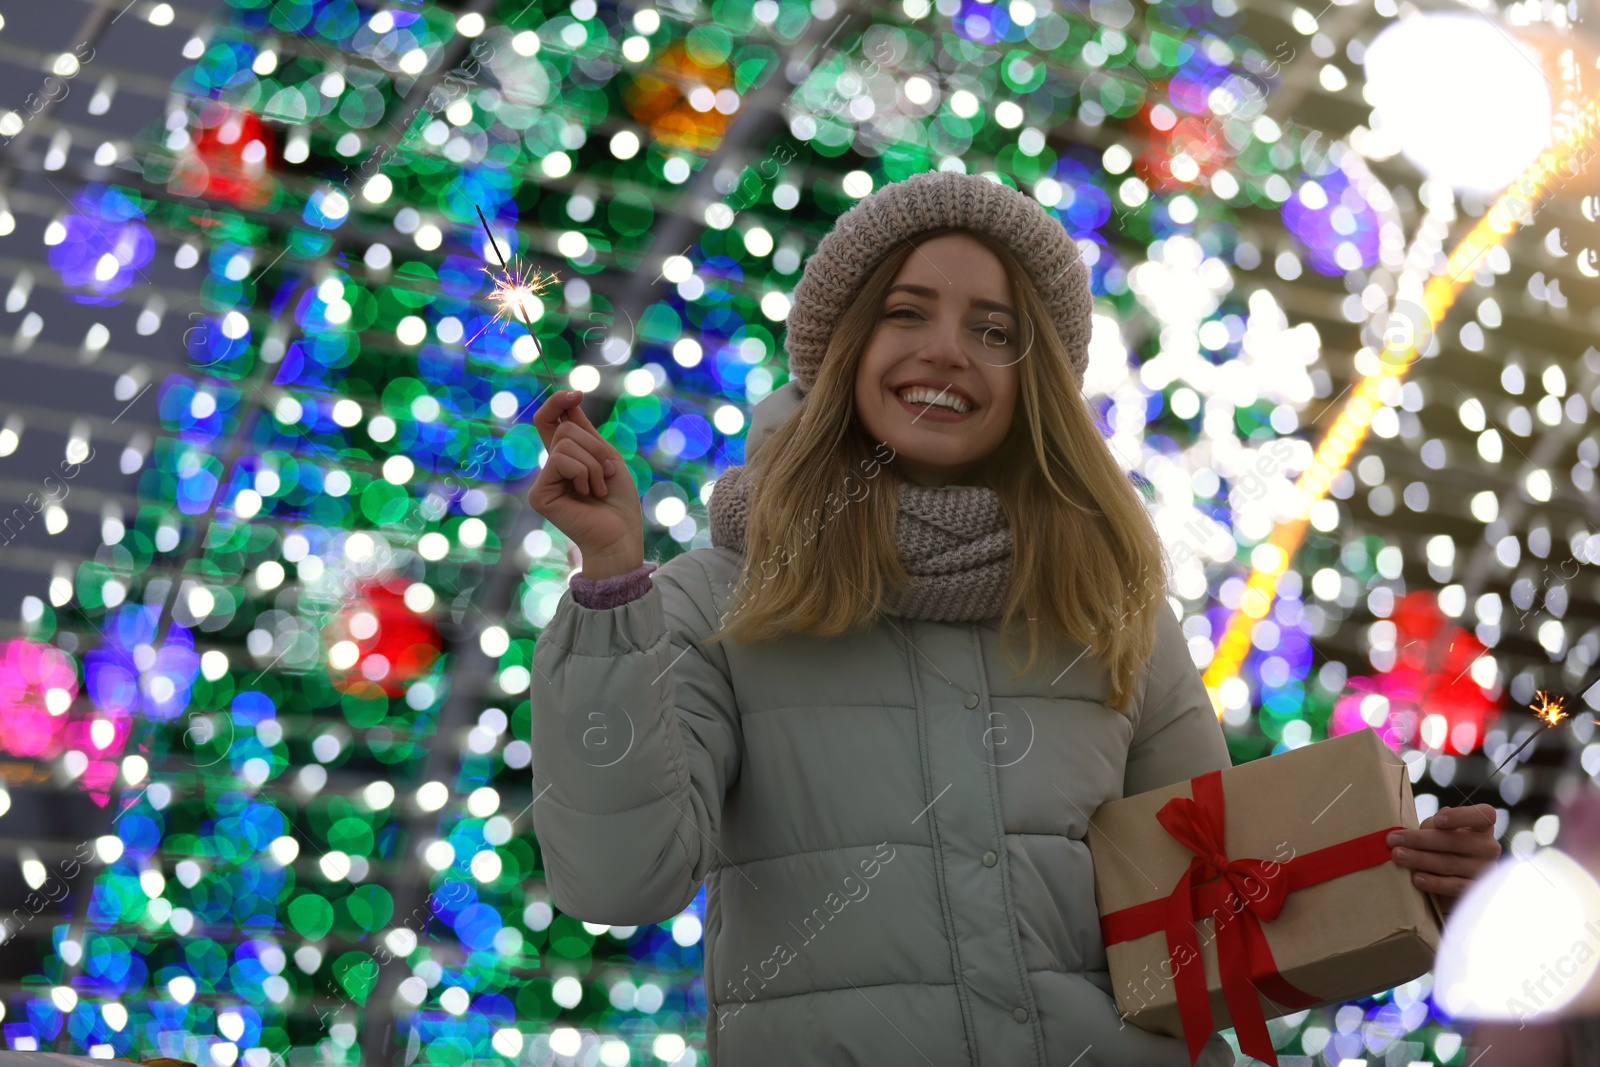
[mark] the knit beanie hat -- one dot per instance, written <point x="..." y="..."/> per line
<point x="928" y="201"/>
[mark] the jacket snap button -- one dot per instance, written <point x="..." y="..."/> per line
<point x="972" y="700"/>
<point x="1021" y="1015"/>
<point x="989" y="859"/>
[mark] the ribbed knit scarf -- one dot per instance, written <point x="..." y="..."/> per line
<point x="954" y="541"/>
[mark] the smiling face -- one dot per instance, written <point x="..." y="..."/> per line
<point x="947" y="330"/>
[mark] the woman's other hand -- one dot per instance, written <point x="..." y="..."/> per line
<point x="585" y="489"/>
<point x="1449" y="850"/>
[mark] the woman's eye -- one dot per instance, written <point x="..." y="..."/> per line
<point x="991" y="334"/>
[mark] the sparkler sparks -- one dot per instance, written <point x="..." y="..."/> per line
<point x="514" y="293"/>
<point x="1548" y="711"/>
<point x="514" y="296"/>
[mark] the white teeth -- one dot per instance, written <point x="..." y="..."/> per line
<point x="923" y="395"/>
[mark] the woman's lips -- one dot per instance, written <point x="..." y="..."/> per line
<point x="933" y="412"/>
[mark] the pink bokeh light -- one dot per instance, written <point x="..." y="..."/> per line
<point x="1431" y="680"/>
<point x="28" y="671"/>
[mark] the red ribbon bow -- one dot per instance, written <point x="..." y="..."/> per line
<point x="1252" y="889"/>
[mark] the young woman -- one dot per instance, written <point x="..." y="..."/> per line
<point x="823" y="717"/>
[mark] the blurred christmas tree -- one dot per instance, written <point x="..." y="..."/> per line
<point x="318" y="630"/>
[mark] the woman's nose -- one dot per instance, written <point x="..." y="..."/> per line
<point x="946" y="344"/>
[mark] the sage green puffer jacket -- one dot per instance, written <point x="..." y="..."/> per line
<point x="889" y="825"/>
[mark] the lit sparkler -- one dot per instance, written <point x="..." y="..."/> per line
<point x="1547" y="711"/>
<point x="515" y="291"/>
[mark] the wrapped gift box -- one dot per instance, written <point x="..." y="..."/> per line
<point x="1312" y="911"/>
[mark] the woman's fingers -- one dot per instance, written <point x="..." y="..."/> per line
<point x="563" y="407"/>
<point x="560" y="420"/>
<point x="576" y="463"/>
<point x="610" y="458"/>
<point x="1443" y="873"/>
<point x="1447" y="861"/>
<point x="588" y="437"/>
<point x="1475" y="817"/>
<point x="1440" y="885"/>
<point x="1467" y="830"/>
<point x="1466" y="842"/>
<point x="591" y="446"/>
<point x="1452" y="864"/>
<point x="576" y="414"/>
<point x="554" y="412"/>
<point x="570" y="469"/>
<point x="561" y="416"/>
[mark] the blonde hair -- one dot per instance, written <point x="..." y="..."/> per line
<point x="1088" y="565"/>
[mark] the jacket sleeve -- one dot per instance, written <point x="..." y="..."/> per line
<point x="636" y="741"/>
<point x="1176" y="733"/>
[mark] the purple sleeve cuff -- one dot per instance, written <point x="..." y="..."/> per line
<point x="614" y="591"/>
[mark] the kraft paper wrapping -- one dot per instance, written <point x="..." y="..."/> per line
<point x="1349" y="937"/>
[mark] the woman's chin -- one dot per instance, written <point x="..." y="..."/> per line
<point x="930" y="471"/>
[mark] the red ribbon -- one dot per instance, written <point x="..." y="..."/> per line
<point x="1244" y="959"/>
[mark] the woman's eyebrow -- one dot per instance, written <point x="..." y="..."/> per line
<point x="923" y="290"/>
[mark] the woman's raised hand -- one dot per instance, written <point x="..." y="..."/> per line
<point x="586" y="490"/>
